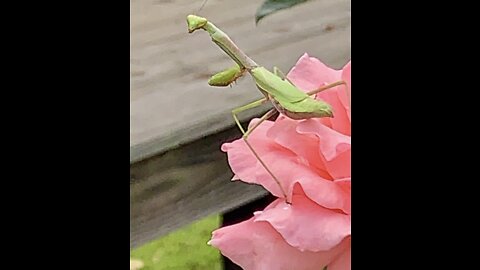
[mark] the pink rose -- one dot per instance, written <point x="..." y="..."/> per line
<point x="312" y="160"/>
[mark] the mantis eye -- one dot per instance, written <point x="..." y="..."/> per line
<point x="195" y="22"/>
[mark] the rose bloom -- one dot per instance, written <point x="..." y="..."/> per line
<point x="311" y="158"/>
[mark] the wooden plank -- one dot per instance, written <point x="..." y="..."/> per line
<point x="169" y="67"/>
<point x="184" y="185"/>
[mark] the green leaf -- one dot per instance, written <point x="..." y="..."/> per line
<point x="271" y="6"/>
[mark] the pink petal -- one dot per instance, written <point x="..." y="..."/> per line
<point x="340" y="167"/>
<point x="257" y="246"/>
<point x="309" y="73"/>
<point x="284" y="132"/>
<point x="341" y="120"/>
<point x="346" y="75"/>
<point x="345" y="95"/>
<point x="343" y="261"/>
<point x="327" y="194"/>
<point x="345" y="183"/>
<point x="286" y="167"/>
<point x="306" y="225"/>
<point x="334" y="147"/>
<point x="332" y="143"/>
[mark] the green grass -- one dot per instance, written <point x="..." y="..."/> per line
<point x="184" y="249"/>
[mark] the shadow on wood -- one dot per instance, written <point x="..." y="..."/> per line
<point x="182" y="185"/>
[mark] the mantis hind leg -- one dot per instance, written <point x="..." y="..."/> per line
<point x="250" y="130"/>
<point x="328" y="86"/>
<point x="282" y="75"/>
<point x="325" y="87"/>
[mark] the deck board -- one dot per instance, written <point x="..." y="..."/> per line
<point x="169" y="67"/>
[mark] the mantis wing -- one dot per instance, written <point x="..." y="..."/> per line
<point x="296" y="103"/>
<point x="307" y="108"/>
<point x="275" y="86"/>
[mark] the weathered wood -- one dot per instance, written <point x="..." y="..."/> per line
<point x="178" y="122"/>
<point x="170" y="68"/>
<point x="183" y="185"/>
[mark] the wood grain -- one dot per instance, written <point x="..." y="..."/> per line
<point x="170" y="68"/>
<point x="183" y="185"/>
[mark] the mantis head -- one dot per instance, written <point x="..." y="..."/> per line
<point x="195" y="22"/>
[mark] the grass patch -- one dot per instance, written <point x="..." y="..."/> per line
<point x="185" y="248"/>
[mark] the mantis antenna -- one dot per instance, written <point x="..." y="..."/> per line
<point x="201" y="7"/>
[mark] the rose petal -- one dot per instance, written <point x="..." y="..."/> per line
<point x="343" y="261"/>
<point x="334" y="147"/>
<point x="284" y="132"/>
<point x="327" y="194"/>
<point x="257" y="246"/>
<point x="306" y="225"/>
<point x="345" y="94"/>
<point x="286" y="168"/>
<point x="309" y="73"/>
<point x="340" y="121"/>
<point x="332" y="143"/>
<point x="346" y="75"/>
<point x="340" y="167"/>
<point x="345" y="183"/>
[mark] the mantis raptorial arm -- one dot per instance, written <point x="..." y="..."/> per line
<point x="227" y="76"/>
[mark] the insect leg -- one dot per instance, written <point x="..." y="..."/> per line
<point x="328" y="86"/>
<point x="249" y="131"/>
<point x="325" y="87"/>
<point x="263" y="118"/>
<point x="244" y="108"/>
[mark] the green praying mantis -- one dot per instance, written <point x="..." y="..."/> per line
<point x="285" y="97"/>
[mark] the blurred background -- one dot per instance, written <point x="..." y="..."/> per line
<point x="180" y="180"/>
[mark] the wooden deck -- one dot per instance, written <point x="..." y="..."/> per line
<point x="178" y="122"/>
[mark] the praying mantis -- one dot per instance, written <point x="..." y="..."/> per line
<point x="285" y="97"/>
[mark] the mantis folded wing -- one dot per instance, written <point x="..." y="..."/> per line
<point x="286" y="98"/>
